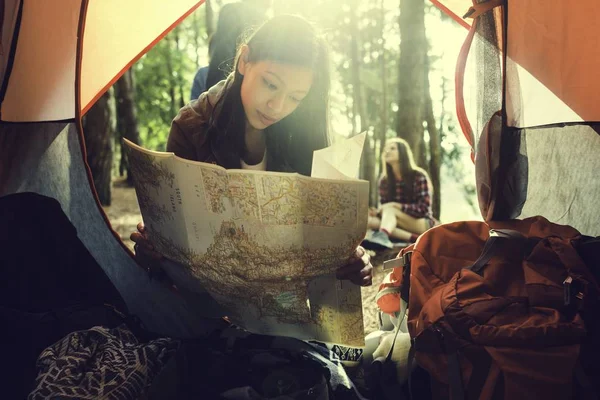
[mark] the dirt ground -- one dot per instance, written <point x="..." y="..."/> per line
<point x="124" y="214"/>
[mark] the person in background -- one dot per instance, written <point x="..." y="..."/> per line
<point x="404" y="198"/>
<point x="235" y="20"/>
<point x="199" y="82"/>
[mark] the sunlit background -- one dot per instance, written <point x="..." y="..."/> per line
<point x="163" y="78"/>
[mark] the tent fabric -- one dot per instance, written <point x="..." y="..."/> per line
<point x="562" y="177"/>
<point x="135" y="26"/>
<point x="526" y="172"/>
<point x="554" y="58"/>
<point x="41" y="86"/>
<point x="9" y="12"/>
<point x="50" y="162"/>
<point x="49" y="78"/>
<point x="535" y="65"/>
<point x="480" y="58"/>
<point x="553" y="53"/>
<point x="42" y="82"/>
<point x="486" y="69"/>
<point x="455" y="9"/>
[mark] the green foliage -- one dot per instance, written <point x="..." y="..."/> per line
<point x="163" y="77"/>
<point x="166" y="73"/>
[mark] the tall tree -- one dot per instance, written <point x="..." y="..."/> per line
<point x="411" y="77"/>
<point x="98" y="131"/>
<point x="169" y="63"/>
<point x="368" y="157"/>
<point x="435" y="144"/>
<point x="210" y="18"/>
<point x="127" y="123"/>
<point x="178" y="78"/>
<point x="383" y="71"/>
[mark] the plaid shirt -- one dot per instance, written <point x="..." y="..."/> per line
<point x="420" y="206"/>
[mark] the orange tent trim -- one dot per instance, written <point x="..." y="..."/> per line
<point x="136" y="58"/>
<point x="451" y="14"/>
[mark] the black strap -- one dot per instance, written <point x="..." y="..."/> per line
<point x="383" y="377"/>
<point x="405" y="288"/>
<point x="588" y="249"/>
<point x="457" y="392"/>
<point x="491" y="247"/>
<point x="479" y="376"/>
<point x="401" y="318"/>
<point x="454" y="377"/>
<point x="587" y="388"/>
<point x="489" y="250"/>
<point x="411" y="358"/>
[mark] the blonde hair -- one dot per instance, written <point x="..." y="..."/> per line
<point x="408" y="169"/>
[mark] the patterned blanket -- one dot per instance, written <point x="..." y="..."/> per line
<point x="100" y="363"/>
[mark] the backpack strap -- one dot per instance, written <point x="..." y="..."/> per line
<point x="411" y="359"/>
<point x="385" y="367"/>
<point x="588" y="248"/>
<point x="403" y="312"/>
<point x="405" y="288"/>
<point x="491" y="246"/>
<point x="455" y="383"/>
<point x="584" y="381"/>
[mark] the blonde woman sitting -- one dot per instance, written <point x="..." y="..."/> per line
<point x="404" y="197"/>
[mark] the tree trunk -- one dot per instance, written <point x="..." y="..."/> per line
<point x="384" y="101"/>
<point x="435" y="150"/>
<point x="127" y="124"/>
<point x="179" y="81"/>
<point x="210" y="18"/>
<point x="98" y="132"/>
<point x="196" y="24"/>
<point x="170" y="74"/>
<point x="411" y="79"/>
<point x="367" y="168"/>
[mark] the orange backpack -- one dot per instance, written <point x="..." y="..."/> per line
<point x="500" y="310"/>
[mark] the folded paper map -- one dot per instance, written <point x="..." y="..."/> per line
<point x="265" y="245"/>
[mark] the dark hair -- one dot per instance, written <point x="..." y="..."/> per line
<point x="211" y="43"/>
<point x="235" y="19"/>
<point x="283" y="39"/>
<point x="408" y="170"/>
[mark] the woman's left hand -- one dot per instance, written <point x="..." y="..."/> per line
<point x="358" y="270"/>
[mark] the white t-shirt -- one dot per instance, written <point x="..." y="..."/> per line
<point x="261" y="166"/>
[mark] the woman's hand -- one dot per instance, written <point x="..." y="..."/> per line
<point x="358" y="270"/>
<point x="144" y="250"/>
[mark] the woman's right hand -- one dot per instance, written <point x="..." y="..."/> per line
<point x="144" y="250"/>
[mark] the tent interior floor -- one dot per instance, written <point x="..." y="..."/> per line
<point x="73" y="274"/>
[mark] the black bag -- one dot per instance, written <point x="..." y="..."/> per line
<point x="51" y="286"/>
<point x="234" y="364"/>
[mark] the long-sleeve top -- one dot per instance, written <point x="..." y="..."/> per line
<point x="419" y="206"/>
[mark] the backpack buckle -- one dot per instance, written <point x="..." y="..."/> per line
<point x="399" y="262"/>
<point x="571" y="290"/>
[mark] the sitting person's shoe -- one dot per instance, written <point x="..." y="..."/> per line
<point x="377" y="240"/>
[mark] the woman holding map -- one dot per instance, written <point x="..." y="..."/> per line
<point x="270" y="114"/>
